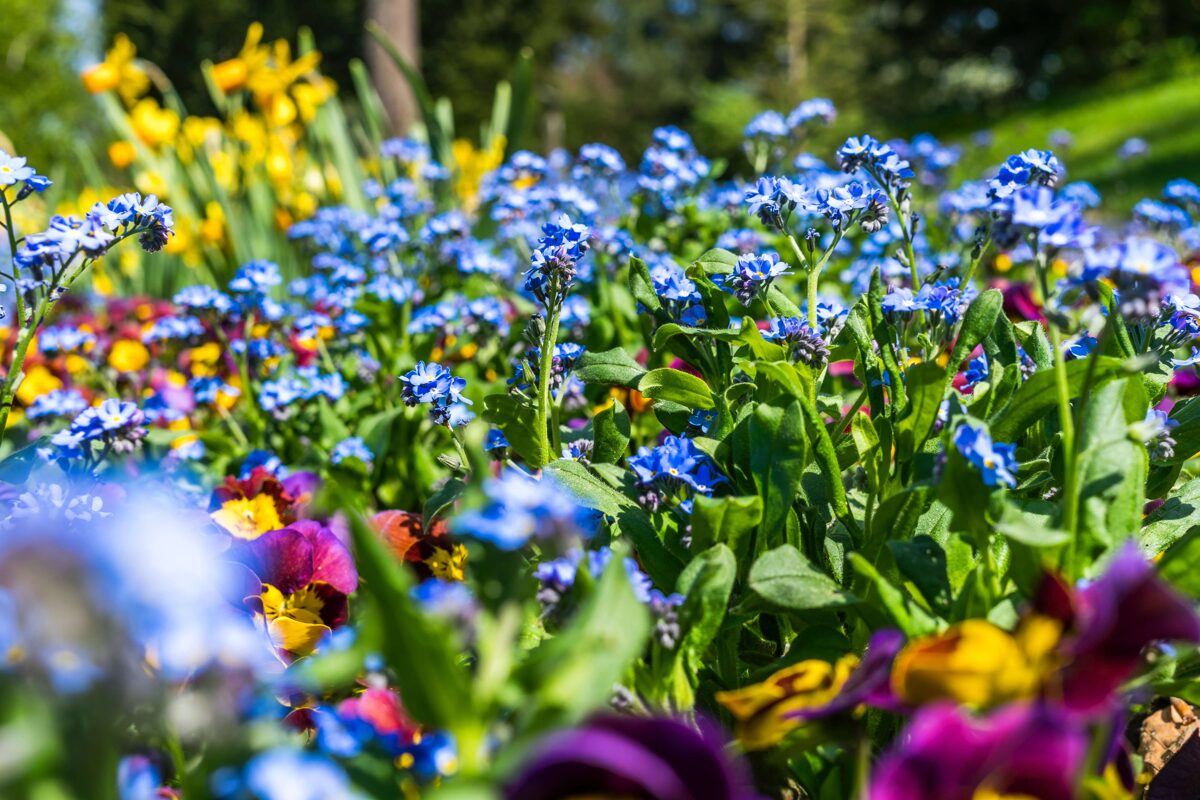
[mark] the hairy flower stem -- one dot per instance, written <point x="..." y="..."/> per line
<point x="1066" y="420"/>
<point x="545" y="365"/>
<point x="8" y="393"/>
<point x="461" y="451"/>
<point x="814" y="278"/>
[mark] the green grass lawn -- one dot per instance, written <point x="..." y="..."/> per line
<point x="1164" y="112"/>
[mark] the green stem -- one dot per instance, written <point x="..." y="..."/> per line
<point x="862" y="766"/>
<point x="9" y="391"/>
<point x="461" y="451"/>
<point x="1066" y="420"/>
<point x="839" y="432"/>
<point x="12" y="252"/>
<point x="814" y="277"/>
<point x="233" y="426"/>
<point x="545" y="364"/>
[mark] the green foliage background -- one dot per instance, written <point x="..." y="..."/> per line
<point x="612" y="70"/>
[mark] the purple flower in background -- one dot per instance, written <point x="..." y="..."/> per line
<point x="652" y="759"/>
<point x="1028" y="751"/>
<point x="1113" y="619"/>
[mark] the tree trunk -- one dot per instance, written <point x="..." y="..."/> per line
<point x="400" y="19"/>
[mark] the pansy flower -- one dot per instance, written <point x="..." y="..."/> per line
<point x="307" y="573"/>
<point x="813" y="689"/>
<point x="247" y="508"/>
<point x="430" y="551"/>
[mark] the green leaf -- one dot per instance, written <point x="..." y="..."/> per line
<point x="610" y="434"/>
<point x="899" y="515"/>
<point x="572" y="674"/>
<point x="517" y="419"/>
<point x="759" y="347"/>
<point x="16" y="466"/>
<point x="662" y="567"/>
<point x="520" y="105"/>
<point x="1111" y="466"/>
<point x="1032" y="338"/>
<point x="1178" y="564"/>
<point x="1031" y="523"/>
<point x="785" y="580"/>
<point x="436" y="687"/>
<point x="440" y="500"/>
<point x="641" y="285"/>
<point x="725" y="520"/>
<point x="1172" y="520"/>
<point x="333" y="430"/>
<point x="978" y="322"/>
<point x="665" y="333"/>
<point x="866" y="441"/>
<point x="797" y="383"/>
<point x="676" y="386"/>
<point x="923" y="562"/>
<point x="1187" y="432"/>
<point x="924" y="384"/>
<point x="609" y="368"/>
<point x="1037" y="396"/>
<point x="707" y="583"/>
<point x="717" y="261"/>
<point x="778" y="454"/>
<point x="908" y="616"/>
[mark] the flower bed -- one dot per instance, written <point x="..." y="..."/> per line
<point x="558" y="477"/>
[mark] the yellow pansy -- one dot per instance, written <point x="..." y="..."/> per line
<point x="38" y="381"/>
<point x="248" y="518"/>
<point x="76" y="364"/>
<point x="294" y="620"/>
<point x="761" y="709"/>
<point x="204" y="359"/>
<point x="227" y="396"/>
<point x="128" y="355"/>
<point x="976" y="664"/>
<point x="183" y="441"/>
<point x="449" y="564"/>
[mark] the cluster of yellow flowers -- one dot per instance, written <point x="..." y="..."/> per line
<point x="266" y="97"/>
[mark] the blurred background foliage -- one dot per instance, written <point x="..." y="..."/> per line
<point x="611" y="70"/>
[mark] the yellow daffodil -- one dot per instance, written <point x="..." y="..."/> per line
<point x="152" y="123"/>
<point x="150" y="182"/>
<point x="471" y="164"/>
<point x="212" y="227"/>
<point x="120" y="71"/>
<point x="121" y="154"/>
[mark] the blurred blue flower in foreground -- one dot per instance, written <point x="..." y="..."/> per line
<point x="521" y="508"/>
